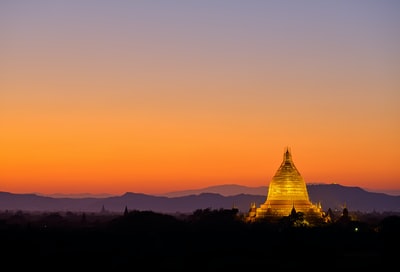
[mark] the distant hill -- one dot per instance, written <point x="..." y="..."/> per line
<point x="225" y="190"/>
<point x="82" y="195"/>
<point x="332" y="196"/>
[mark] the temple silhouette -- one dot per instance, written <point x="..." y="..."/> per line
<point x="287" y="195"/>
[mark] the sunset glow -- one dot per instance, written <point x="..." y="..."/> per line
<point x="119" y="96"/>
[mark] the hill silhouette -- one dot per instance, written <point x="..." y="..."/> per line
<point x="333" y="196"/>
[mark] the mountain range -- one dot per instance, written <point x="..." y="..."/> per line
<point x="333" y="196"/>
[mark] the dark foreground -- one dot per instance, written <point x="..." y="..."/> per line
<point x="205" y="240"/>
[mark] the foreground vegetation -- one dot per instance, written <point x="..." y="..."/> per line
<point x="204" y="240"/>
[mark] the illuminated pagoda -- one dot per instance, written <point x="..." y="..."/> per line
<point x="287" y="193"/>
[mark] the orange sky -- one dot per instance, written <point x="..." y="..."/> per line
<point x="148" y="98"/>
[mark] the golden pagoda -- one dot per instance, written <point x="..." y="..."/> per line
<point x="287" y="193"/>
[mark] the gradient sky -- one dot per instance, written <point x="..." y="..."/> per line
<point x="157" y="96"/>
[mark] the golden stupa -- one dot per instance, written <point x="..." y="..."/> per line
<point x="287" y="193"/>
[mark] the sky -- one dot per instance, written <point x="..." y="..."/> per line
<point x="158" y="96"/>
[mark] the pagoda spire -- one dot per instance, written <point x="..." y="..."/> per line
<point x="287" y="156"/>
